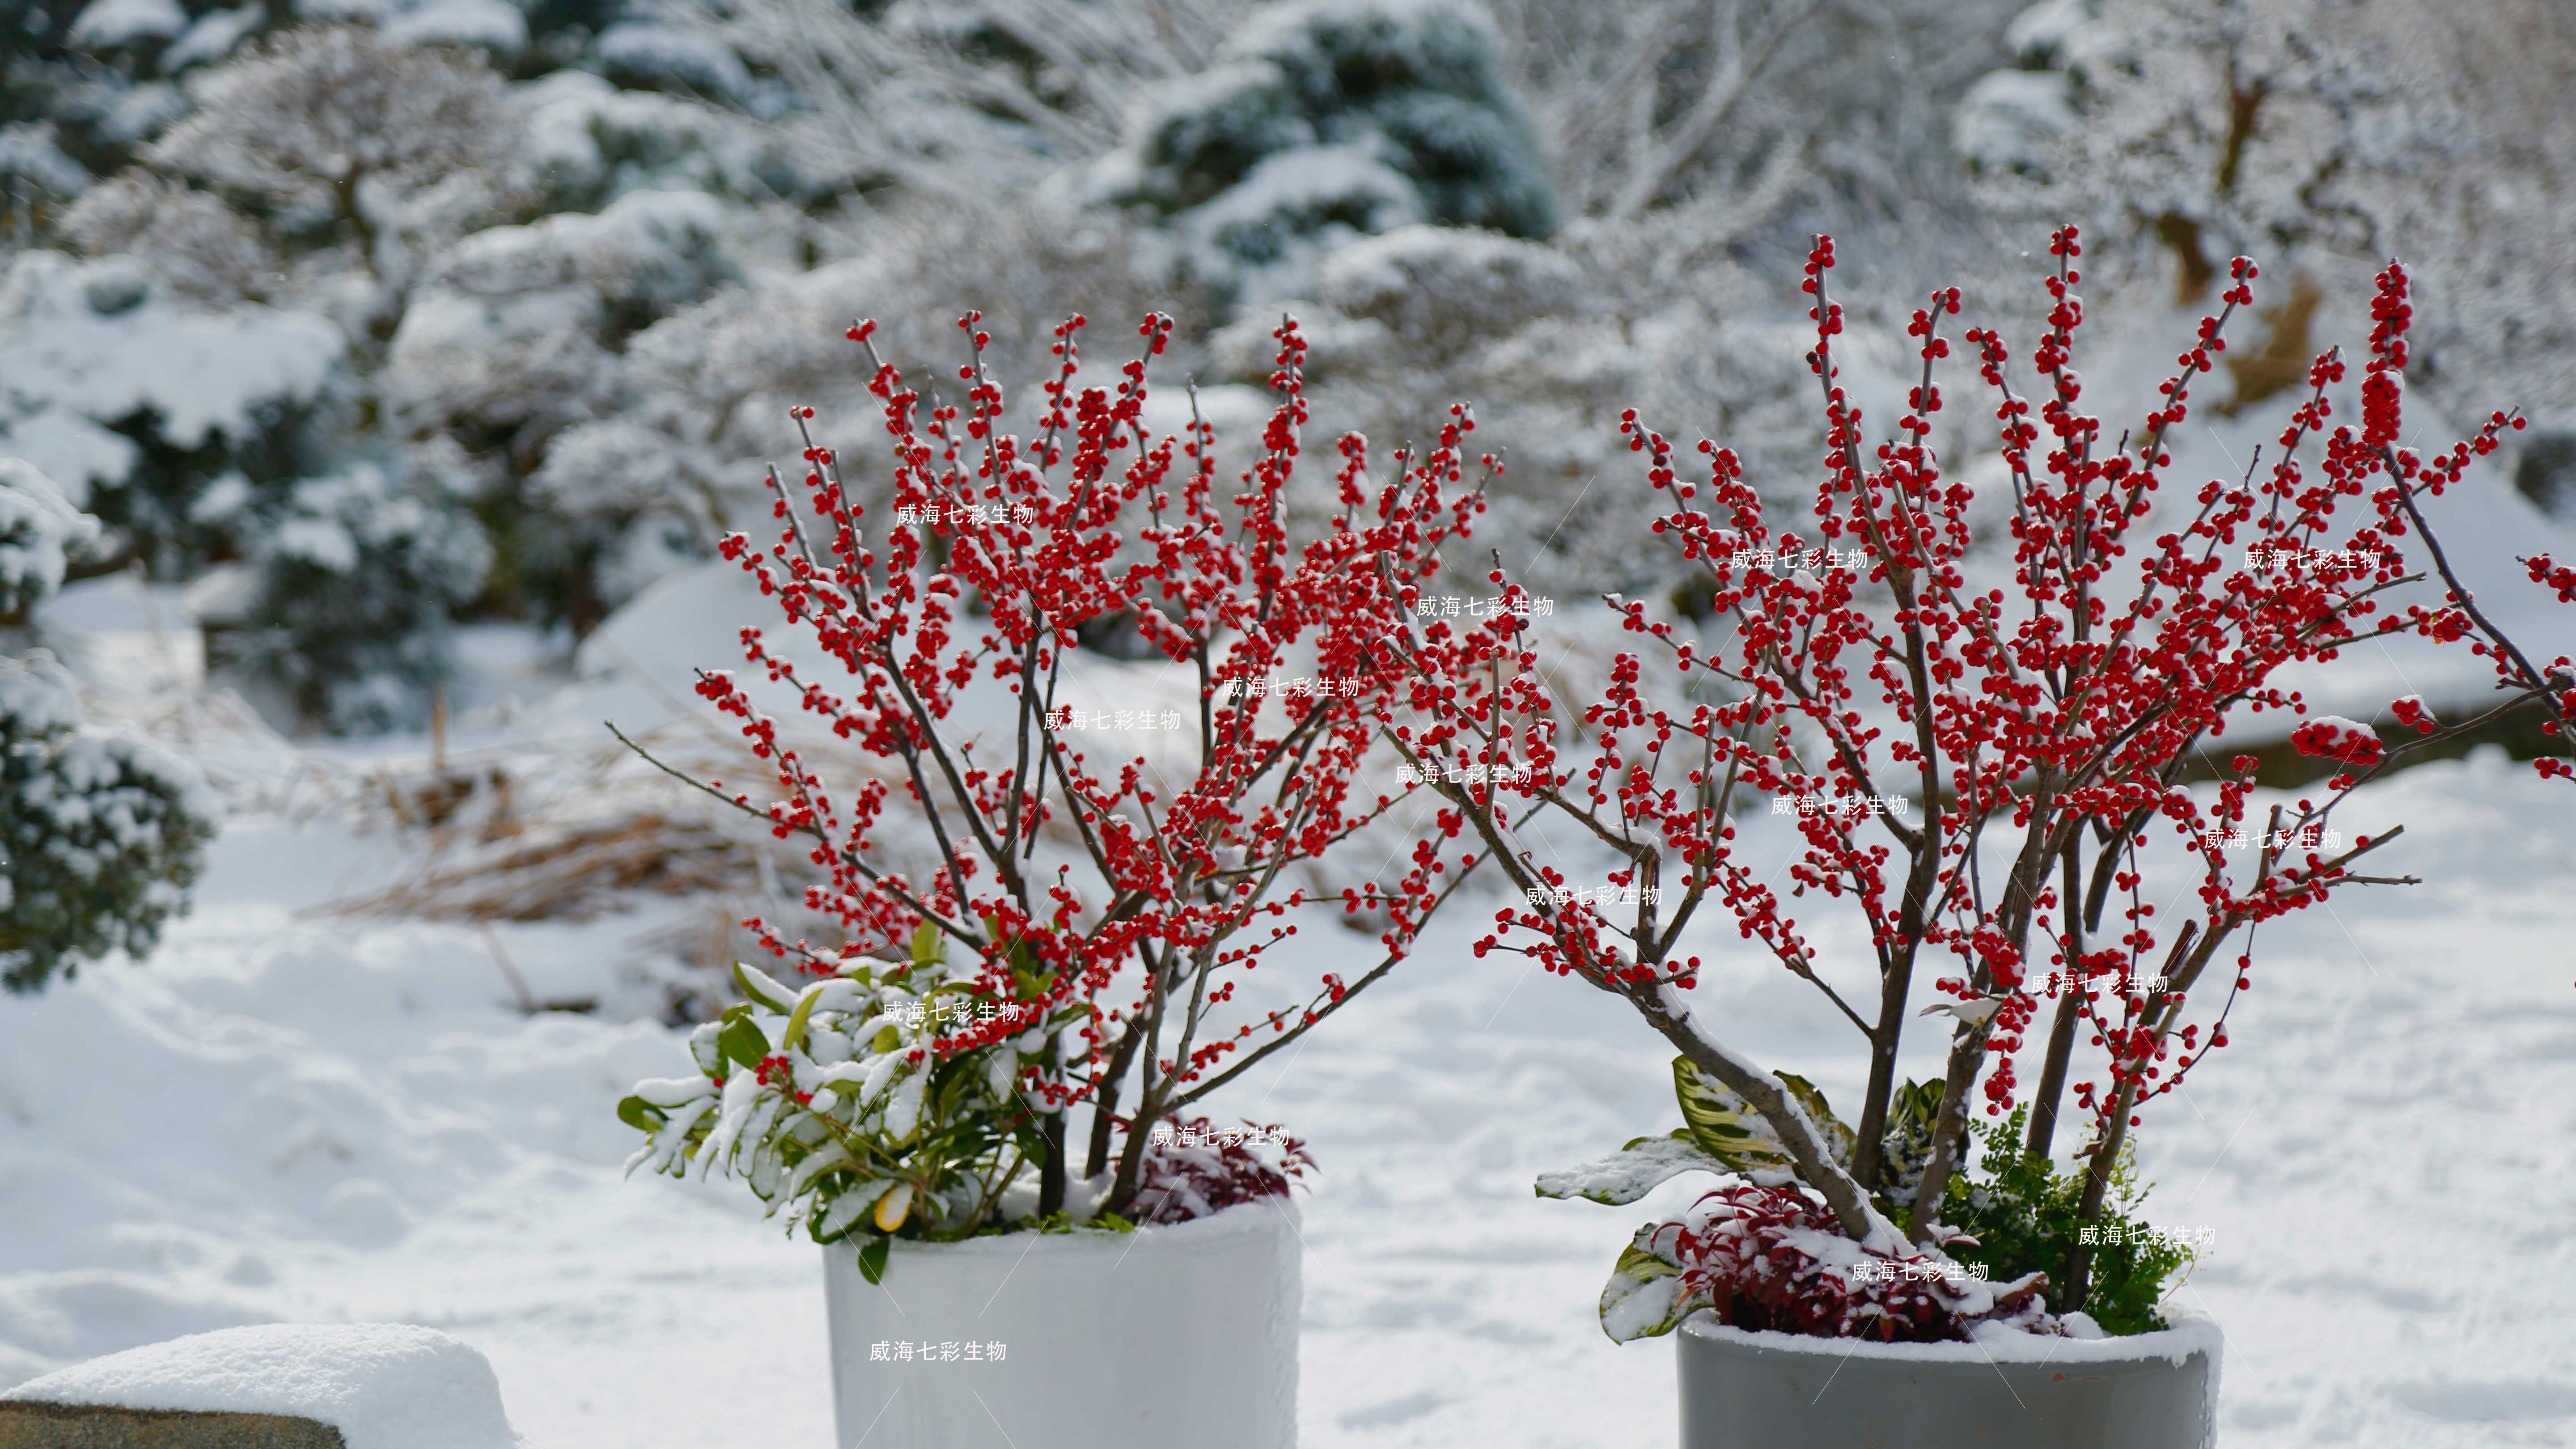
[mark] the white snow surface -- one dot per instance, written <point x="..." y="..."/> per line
<point x="382" y="1385"/>
<point x="2187" y="1331"/>
<point x="123" y="22"/>
<point x="294" y="1117"/>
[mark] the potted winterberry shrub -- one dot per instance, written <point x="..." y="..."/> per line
<point x="1983" y="757"/>
<point x="986" y="1100"/>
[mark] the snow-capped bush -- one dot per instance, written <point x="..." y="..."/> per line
<point x="515" y="331"/>
<point x="100" y="835"/>
<point x="848" y="1105"/>
<point x="675" y="456"/>
<point x="2008" y="119"/>
<point x="357" y="577"/>
<point x="588" y="143"/>
<point x="333" y="134"/>
<point x="1446" y="288"/>
<point x="206" y="250"/>
<point x="38" y="530"/>
<point x="1326" y="120"/>
<point x="2327" y="136"/>
<point x="37" y="178"/>
<point x="99" y="367"/>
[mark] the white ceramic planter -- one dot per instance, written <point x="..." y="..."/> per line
<point x="1745" y="1390"/>
<point x="1167" y="1338"/>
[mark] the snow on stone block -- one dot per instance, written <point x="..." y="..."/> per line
<point x="382" y="1385"/>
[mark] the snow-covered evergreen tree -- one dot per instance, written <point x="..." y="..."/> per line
<point x="1327" y="120"/>
<point x="2325" y="136"/>
<point x="100" y="835"/>
<point x="39" y="530"/>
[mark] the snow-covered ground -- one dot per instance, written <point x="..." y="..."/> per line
<point x="285" y="1115"/>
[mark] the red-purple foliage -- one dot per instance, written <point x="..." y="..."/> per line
<point x="1196" y="1169"/>
<point x="1757" y="1257"/>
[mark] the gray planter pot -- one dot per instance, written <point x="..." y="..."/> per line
<point x="1745" y="1390"/>
<point x="1177" y="1337"/>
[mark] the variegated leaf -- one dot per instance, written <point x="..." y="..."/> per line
<point x="1838" y="1138"/>
<point x="1644" y="1297"/>
<point x="1723" y="1124"/>
<point x="1632" y="1172"/>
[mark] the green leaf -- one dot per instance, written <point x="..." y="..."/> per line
<point x="795" y="1033"/>
<point x="872" y="1258"/>
<point x="1838" y="1138"/>
<point x="1644" y="1297"/>
<point x="926" y="944"/>
<point x="1632" y="1172"/>
<point x="743" y="1043"/>
<point x="1723" y="1124"/>
<point x="639" y="1114"/>
<point x="1025" y="973"/>
<point x="759" y="988"/>
<point x="1906" y="1147"/>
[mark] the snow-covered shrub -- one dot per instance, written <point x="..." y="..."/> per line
<point x="330" y="137"/>
<point x="2327" y="136"/>
<point x="1327" y="120"/>
<point x="674" y="456"/>
<point x="1551" y="342"/>
<point x="1442" y="289"/>
<point x="357" y="576"/>
<point x="100" y="835"/>
<point x="39" y="529"/>
<point x="514" y="332"/>
<point x="615" y="506"/>
<point x="37" y="179"/>
<point x="208" y="251"/>
<point x="958" y="101"/>
<point x="588" y="143"/>
<point x="849" y="1105"/>
<point x="100" y="367"/>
